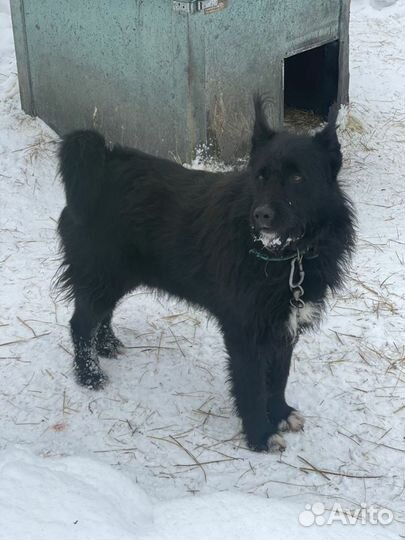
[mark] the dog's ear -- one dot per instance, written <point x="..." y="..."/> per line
<point x="262" y="132"/>
<point x="329" y="141"/>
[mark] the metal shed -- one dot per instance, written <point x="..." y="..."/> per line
<point x="166" y="76"/>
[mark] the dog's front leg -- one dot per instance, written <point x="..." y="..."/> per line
<point x="247" y="363"/>
<point x="277" y="370"/>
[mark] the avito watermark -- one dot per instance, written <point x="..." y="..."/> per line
<point x="317" y="514"/>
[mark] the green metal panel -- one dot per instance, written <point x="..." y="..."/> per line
<point x="108" y="66"/>
<point x="164" y="81"/>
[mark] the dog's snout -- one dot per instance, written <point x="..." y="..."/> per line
<point x="263" y="216"/>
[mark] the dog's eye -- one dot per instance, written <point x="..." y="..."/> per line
<point x="297" y="179"/>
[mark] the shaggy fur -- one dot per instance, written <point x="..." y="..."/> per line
<point x="133" y="219"/>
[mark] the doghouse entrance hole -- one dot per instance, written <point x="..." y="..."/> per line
<point x="311" y="84"/>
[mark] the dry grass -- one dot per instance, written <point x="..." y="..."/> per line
<point x="300" y="121"/>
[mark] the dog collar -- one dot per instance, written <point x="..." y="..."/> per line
<point x="295" y="255"/>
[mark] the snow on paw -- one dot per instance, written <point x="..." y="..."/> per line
<point x="91" y="376"/>
<point x="111" y="348"/>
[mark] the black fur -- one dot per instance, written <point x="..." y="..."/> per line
<point x="133" y="219"/>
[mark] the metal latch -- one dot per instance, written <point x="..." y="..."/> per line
<point x="202" y="6"/>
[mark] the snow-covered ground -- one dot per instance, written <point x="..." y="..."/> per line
<point x="158" y="453"/>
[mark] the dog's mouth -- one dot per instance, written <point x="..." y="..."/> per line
<point x="275" y="241"/>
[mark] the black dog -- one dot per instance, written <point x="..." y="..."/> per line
<point x="258" y="249"/>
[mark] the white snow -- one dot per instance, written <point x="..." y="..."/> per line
<point x="270" y="240"/>
<point x="81" y="499"/>
<point x="71" y="497"/>
<point x="123" y="462"/>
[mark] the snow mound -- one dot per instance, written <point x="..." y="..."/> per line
<point x="71" y="498"/>
<point x="75" y="498"/>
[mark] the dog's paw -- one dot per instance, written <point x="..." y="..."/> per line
<point x="110" y="348"/>
<point x="294" y="422"/>
<point x="91" y="377"/>
<point x="276" y="443"/>
<point x="269" y="442"/>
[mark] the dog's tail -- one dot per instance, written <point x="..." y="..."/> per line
<point x="82" y="157"/>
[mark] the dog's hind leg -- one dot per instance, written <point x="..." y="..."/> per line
<point x="278" y="368"/>
<point x="84" y="326"/>
<point x="107" y="344"/>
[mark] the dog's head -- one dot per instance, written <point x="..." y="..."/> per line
<point x="294" y="180"/>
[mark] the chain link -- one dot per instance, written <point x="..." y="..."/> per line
<point x="295" y="281"/>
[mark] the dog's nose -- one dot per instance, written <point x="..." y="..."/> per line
<point x="263" y="216"/>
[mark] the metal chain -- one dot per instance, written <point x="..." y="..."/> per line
<point x="296" y="284"/>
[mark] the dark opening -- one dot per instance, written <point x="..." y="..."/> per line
<point x="311" y="79"/>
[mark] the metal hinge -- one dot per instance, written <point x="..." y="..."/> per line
<point x="196" y="6"/>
